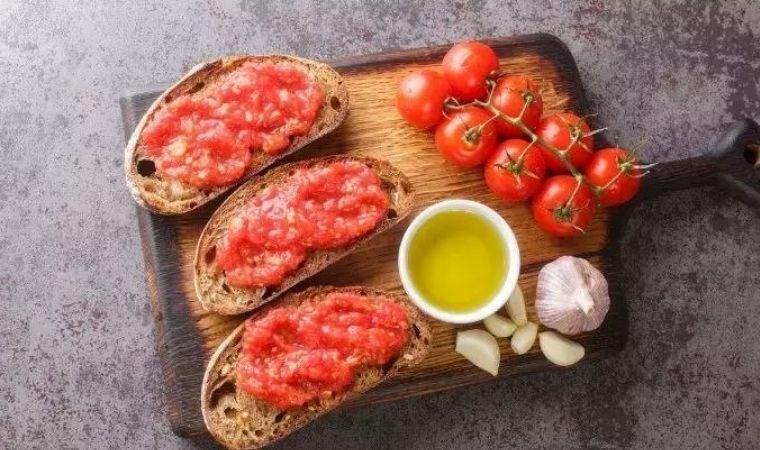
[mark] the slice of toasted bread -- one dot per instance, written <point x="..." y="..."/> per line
<point x="165" y="196"/>
<point x="211" y="286"/>
<point x="240" y="421"/>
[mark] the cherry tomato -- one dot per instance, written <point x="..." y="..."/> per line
<point x="558" y="214"/>
<point x="509" y="96"/>
<point x="467" y="137"/>
<point x="515" y="171"/>
<point x="616" y="171"/>
<point x="466" y="67"/>
<point x="559" y="130"/>
<point x="420" y="97"/>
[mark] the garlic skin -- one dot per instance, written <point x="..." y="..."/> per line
<point x="572" y="296"/>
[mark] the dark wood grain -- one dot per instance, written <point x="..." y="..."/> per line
<point x="186" y="335"/>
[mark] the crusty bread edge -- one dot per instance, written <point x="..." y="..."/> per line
<point x="130" y="169"/>
<point x="413" y="352"/>
<point x="402" y="188"/>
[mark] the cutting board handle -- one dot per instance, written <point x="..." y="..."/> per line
<point x="736" y="166"/>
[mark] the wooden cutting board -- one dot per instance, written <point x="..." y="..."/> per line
<point x="187" y="335"/>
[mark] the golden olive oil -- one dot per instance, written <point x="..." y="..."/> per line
<point x="457" y="261"/>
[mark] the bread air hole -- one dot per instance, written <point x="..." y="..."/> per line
<point x="405" y="187"/>
<point x="211" y="255"/>
<point x="392" y="213"/>
<point x="416" y="331"/>
<point x="335" y="103"/>
<point x="226" y="288"/>
<point x="280" y="416"/>
<point x="146" y="167"/>
<point x="197" y="87"/>
<point x="231" y="413"/>
<point x="389" y="187"/>
<point x="227" y="388"/>
<point x="752" y="153"/>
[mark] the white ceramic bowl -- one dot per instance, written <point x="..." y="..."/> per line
<point x="512" y="252"/>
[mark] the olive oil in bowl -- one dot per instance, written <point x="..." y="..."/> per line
<point x="457" y="261"/>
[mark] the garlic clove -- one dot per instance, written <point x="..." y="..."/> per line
<point x="516" y="307"/>
<point x="499" y="326"/>
<point x="523" y="338"/>
<point x="572" y="296"/>
<point x="559" y="349"/>
<point x="480" y="348"/>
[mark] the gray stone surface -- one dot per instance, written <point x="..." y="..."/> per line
<point x="77" y="364"/>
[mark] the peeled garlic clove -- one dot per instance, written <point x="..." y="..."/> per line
<point x="559" y="349"/>
<point x="516" y="307"/>
<point x="523" y="338"/>
<point x="499" y="326"/>
<point x="571" y="296"/>
<point x="480" y="348"/>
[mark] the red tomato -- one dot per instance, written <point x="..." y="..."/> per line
<point x="509" y="96"/>
<point x="420" y="97"/>
<point x="559" y="130"/>
<point x="558" y="214"/>
<point x="515" y="170"/>
<point x="466" y="67"/>
<point x="467" y="137"/>
<point x="615" y="170"/>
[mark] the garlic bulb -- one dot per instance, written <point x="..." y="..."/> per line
<point x="571" y="296"/>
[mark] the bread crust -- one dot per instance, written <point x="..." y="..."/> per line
<point x="211" y="287"/>
<point x="171" y="197"/>
<point x="240" y="421"/>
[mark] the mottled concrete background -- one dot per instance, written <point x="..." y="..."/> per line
<point x="77" y="365"/>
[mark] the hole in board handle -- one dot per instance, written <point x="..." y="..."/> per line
<point x="752" y="154"/>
